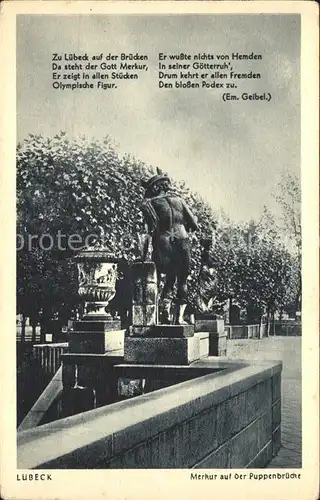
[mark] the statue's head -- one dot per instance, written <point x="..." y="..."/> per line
<point x="156" y="184"/>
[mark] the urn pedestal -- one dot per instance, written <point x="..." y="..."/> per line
<point x="97" y="332"/>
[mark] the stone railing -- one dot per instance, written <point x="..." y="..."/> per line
<point x="48" y="356"/>
<point x="287" y="328"/>
<point x="257" y="331"/>
<point x="246" y="331"/>
<point x="228" y="418"/>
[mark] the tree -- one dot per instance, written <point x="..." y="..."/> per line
<point x="289" y="199"/>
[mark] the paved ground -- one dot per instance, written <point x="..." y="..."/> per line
<point x="287" y="349"/>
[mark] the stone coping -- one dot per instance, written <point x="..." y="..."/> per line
<point x="115" y="356"/>
<point x="100" y="434"/>
<point x="202" y="335"/>
<point x="244" y="324"/>
<point x="43" y="403"/>
<point x="52" y="344"/>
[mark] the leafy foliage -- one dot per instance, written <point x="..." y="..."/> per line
<point x="289" y="198"/>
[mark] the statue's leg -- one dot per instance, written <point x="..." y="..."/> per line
<point x="182" y="275"/>
<point x="163" y="260"/>
<point x="166" y="298"/>
<point x="181" y="302"/>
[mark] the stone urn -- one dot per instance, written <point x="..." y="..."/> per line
<point x="98" y="273"/>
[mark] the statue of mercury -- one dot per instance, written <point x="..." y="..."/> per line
<point x="169" y="221"/>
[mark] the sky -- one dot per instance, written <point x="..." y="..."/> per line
<point x="232" y="153"/>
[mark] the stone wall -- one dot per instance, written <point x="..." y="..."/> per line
<point x="226" y="419"/>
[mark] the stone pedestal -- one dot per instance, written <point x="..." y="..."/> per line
<point x="217" y="335"/>
<point x="203" y="343"/>
<point x="96" y="337"/>
<point x="206" y="324"/>
<point x="163" y="331"/>
<point x="166" y="351"/>
<point x="85" y="326"/>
